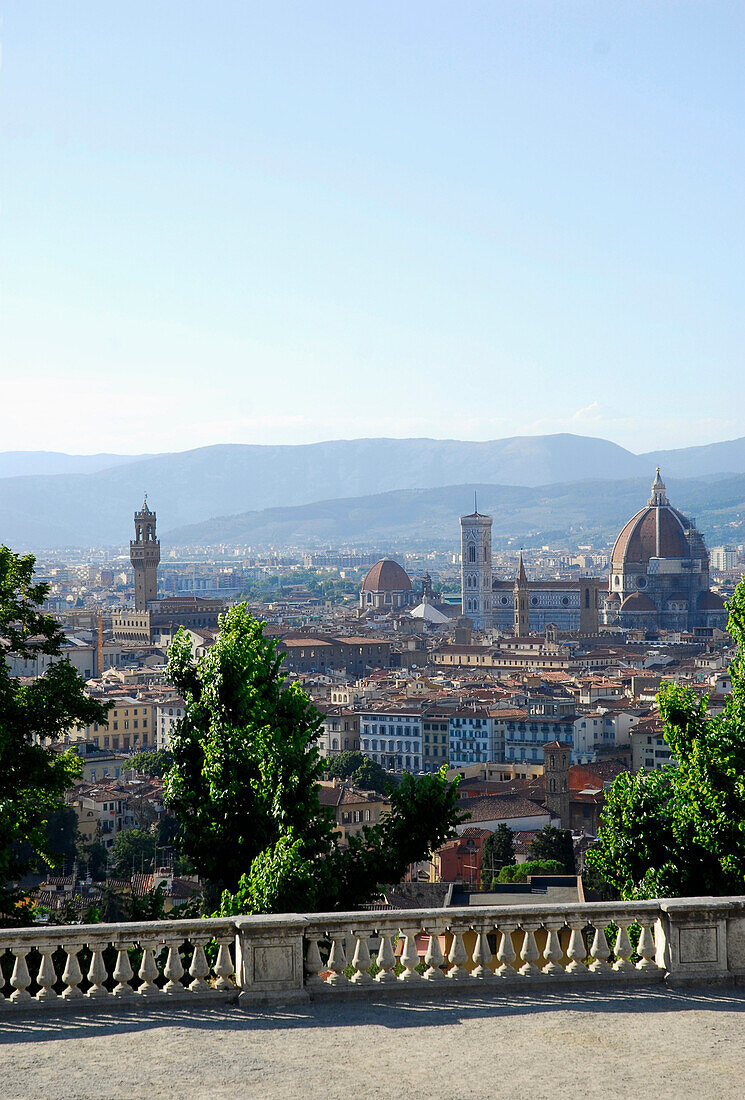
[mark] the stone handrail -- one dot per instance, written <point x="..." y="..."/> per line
<point x="298" y="956"/>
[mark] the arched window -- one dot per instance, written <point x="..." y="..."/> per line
<point x="472" y="553"/>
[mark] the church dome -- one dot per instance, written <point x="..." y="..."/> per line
<point x="386" y="576"/>
<point x="710" y="601"/>
<point x="657" y="531"/>
<point x="637" y="601"/>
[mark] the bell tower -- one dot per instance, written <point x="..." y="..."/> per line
<point x="520" y="594"/>
<point x="144" y="553"/>
<point x="476" y="569"/>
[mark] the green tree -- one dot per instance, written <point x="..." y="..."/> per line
<point x="133" y="852"/>
<point x="555" y="844"/>
<point x="680" y="831"/>
<point x="94" y="859"/>
<point x="497" y="851"/>
<point x="244" y="786"/>
<point x="33" y="774"/>
<point x="360" y="770"/>
<point x="520" y="872"/>
<point x="155" y="763"/>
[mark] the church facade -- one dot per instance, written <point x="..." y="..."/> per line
<point x="659" y="572"/>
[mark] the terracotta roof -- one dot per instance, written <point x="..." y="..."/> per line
<point x="495" y="808"/>
<point x="710" y="601"/>
<point x="386" y="576"/>
<point x="637" y="601"/>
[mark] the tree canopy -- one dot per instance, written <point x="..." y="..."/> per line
<point x="360" y="770"/>
<point x="34" y="774"/>
<point x="680" y="831"/>
<point x="554" y="844"/>
<point x="154" y="763"/>
<point x="245" y="781"/>
<point x="497" y="852"/>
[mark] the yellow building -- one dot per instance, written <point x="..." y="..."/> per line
<point x="130" y="725"/>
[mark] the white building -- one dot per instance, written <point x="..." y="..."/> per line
<point x="469" y="734"/>
<point x="393" y="739"/>
<point x="167" y="715"/>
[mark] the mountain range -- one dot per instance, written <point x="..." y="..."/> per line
<point x="51" y="500"/>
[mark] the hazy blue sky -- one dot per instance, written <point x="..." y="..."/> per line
<point x="229" y="221"/>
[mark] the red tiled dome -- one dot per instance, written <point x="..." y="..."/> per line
<point x="637" y="601"/>
<point x="642" y="539"/>
<point x="386" y="576"/>
<point x="710" y="601"/>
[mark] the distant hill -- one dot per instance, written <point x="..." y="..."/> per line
<point x="413" y="518"/>
<point x="28" y="463"/>
<point x="89" y="500"/>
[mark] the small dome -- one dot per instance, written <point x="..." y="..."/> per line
<point x="678" y="597"/>
<point x="386" y="576"/>
<point x="613" y="598"/>
<point x="638" y="602"/>
<point x="710" y="601"/>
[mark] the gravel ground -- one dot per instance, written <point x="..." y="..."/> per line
<point x="655" y="1043"/>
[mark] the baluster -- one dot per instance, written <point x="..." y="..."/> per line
<point x="47" y="975"/>
<point x="482" y="956"/>
<point x="97" y="973"/>
<point x="529" y="952"/>
<point x="457" y="957"/>
<point x="199" y="968"/>
<point x="599" y="953"/>
<point x="123" y="972"/>
<point x="174" y="969"/>
<point x="148" y="969"/>
<point x="646" y="948"/>
<point x="506" y="955"/>
<point x="20" y="979"/>
<point x="410" y="957"/>
<point x="313" y="962"/>
<point x="553" y="953"/>
<point x="72" y="975"/>
<point x="386" y="959"/>
<point x="576" y="951"/>
<point x="224" y="965"/>
<point x="337" y="963"/>
<point x="623" y="949"/>
<point x="434" y="957"/>
<point x="361" y="959"/>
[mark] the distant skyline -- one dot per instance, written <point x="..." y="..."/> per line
<point x="287" y="223"/>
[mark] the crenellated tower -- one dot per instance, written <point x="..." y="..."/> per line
<point x="144" y="553"/>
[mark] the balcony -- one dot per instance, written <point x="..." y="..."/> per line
<point x="239" y="1000"/>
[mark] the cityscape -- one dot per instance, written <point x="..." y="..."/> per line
<point x="372" y="551"/>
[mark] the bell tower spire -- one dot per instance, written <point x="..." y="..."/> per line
<point x="520" y="596"/>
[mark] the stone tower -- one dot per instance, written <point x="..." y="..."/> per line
<point x="588" y="607"/>
<point x="556" y="760"/>
<point x="144" y="553"/>
<point x="476" y="571"/>
<point x="522" y="613"/>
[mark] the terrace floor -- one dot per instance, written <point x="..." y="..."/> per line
<point x="656" y="1043"/>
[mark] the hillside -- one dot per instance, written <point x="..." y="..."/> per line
<point x="587" y="510"/>
<point x="93" y="505"/>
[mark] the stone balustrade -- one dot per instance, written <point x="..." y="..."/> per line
<point x="426" y="951"/>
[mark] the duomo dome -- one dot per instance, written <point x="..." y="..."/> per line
<point x="659" y="571"/>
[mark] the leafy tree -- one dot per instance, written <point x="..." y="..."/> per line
<point x="555" y="844"/>
<point x="95" y="858"/>
<point x="244" y="785"/>
<point x="62" y="835"/>
<point x="520" y="872"/>
<point x="360" y="770"/>
<point x="497" y="851"/>
<point x="680" y="831"/>
<point x="133" y="851"/>
<point x="155" y="763"/>
<point x="33" y="773"/>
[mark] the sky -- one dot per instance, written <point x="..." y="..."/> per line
<point x="287" y="222"/>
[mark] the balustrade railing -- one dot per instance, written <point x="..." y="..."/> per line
<point x="396" y="952"/>
<point x="99" y="962"/>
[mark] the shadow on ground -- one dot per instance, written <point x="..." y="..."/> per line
<point x="382" y="1011"/>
